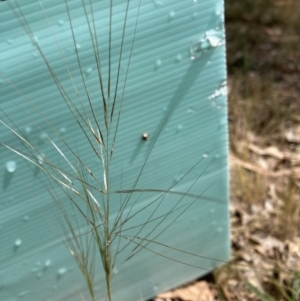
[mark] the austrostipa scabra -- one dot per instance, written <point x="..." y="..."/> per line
<point x="87" y="77"/>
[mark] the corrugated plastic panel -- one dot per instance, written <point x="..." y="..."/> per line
<point x="175" y="92"/>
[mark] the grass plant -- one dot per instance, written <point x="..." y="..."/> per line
<point x="91" y="228"/>
<point x="280" y="291"/>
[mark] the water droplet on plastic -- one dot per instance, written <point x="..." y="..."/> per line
<point x="24" y="293"/>
<point x="11" y="166"/>
<point x="35" y="40"/>
<point x="219" y="8"/>
<point x="40" y="159"/>
<point x="9" y="41"/>
<point x="61" y="272"/>
<point x="195" y="1"/>
<point x="88" y="71"/>
<point x="78" y="46"/>
<point x="25" y="218"/>
<point x="158" y="3"/>
<point x="43" y="136"/>
<point x="35" y="54"/>
<point x="28" y="130"/>
<point x="179" y="128"/>
<point x="194" y="15"/>
<point x="191" y="110"/>
<point x="155" y="287"/>
<point x="61" y="22"/>
<point x="62" y="130"/>
<point x="158" y="64"/>
<point x="47" y="263"/>
<point x="205" y="155"/>
<point x="18" y="243"/>
<point x="220" y="230"/>
<point x="178" y="58"/>
<point x="115" y="271"/>
<point x="172" y="15"/>
<point x="39" y="275"/>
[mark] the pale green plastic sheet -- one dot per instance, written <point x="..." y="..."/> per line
<point x="176" y="91"/>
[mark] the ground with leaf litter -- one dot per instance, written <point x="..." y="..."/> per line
<point x="263" y="45"/>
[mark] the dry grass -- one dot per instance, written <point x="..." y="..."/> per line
<point x="264" y="98"/>
<point x="289" y="193"/>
